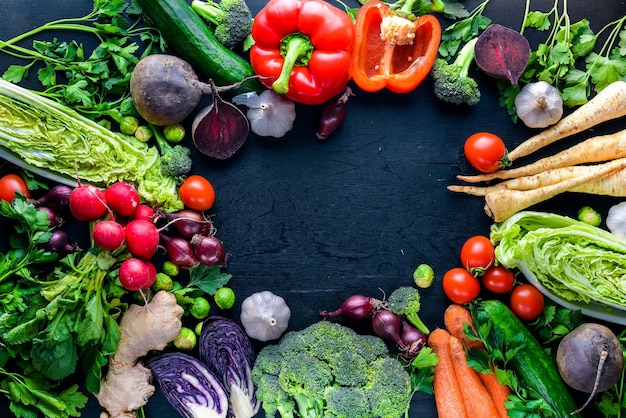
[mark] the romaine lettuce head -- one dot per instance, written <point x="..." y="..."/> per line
<point x="572" y="259"/>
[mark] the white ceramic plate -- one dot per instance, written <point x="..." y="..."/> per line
<point x="591" y="309"/>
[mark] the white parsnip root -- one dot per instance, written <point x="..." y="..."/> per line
<point x="127" y="385"/>
<point x="596" y="165"/>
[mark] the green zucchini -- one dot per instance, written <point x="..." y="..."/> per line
<point x="534" y="367"/>
<point x="194" y="42"/>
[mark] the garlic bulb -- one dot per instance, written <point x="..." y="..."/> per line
<point x="269" y="113"/>
<point x="539" y="104"/>
<point x="616" y="220"/>
<point x="264" y="316"/>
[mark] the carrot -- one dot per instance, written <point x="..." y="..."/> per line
<point x="478" y="402"/>
<point x="612" y="185"/>
<point x="592" y="150"/>
<point x="501" y="203"/>
<point x="499" y="393"/>
<point x="609" y="104"/>
<point x="448" y="396"/>
<point x="455" y="317"/>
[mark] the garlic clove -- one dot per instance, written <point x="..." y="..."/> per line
<point x="539" y="105"/>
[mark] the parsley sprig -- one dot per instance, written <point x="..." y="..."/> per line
<point x="95" y="83"/>
<point x="570" y="57"/>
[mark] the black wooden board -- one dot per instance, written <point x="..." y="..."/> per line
<point x="317" y="221"/>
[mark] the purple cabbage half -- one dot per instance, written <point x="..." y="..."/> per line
<point x="226" y="350"/>
<point x="189" y="386"/>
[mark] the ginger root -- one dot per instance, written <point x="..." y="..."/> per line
<point x="127" y="385"/>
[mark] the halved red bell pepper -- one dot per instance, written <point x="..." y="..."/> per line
<point x="302" y="49"/>
<point x="392" y="51"/>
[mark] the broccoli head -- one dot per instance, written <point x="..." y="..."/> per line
<point x="232" y="19"/>
<point x="175" y="159"/>
<point x="452" y="83"/>
<point x="326" y="370"/>
<point x="405" y="302"/>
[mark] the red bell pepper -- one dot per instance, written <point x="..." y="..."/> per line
<point x="302" y="49"/>
<point x="392" y="51"/>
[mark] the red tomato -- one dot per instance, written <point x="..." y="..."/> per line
<point x="197" y="193"/>
<point x="460" y="286"/>
<point x="477" y="253"/>
<point x="10" y="184"/>
<point x="527" y="302"/>
<point x="485" y="151"/>
<point x="498" y="279"/>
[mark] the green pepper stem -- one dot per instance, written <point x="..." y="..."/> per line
<point x="296" y="49"/>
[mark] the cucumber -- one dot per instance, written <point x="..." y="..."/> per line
<point x="533" y="366"/>
<point x="194" y="42"/>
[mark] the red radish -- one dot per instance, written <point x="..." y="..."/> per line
<point x="108" y="235"/>
<point x="87" y="203"/>
<point x="142" y="238"/>
<point x="179" y="250"/>
<point x="136" y="274"/>
<point x="209" y="250"/>
<point x="122" y="198"/>
<point x="143" y="212"/>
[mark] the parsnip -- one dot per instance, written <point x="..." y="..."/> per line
<point x="592" y="150"/>
<point x="501" y="203"/>
<point x="609" y="104"/>
<point x="611" y="185"/>
<point x="127" y="386"/>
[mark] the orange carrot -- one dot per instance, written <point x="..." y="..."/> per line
<point x="448" y="396"/>
<point x="478" y="402"/>
<point x="609" y="104"/>
<point x="454" y="318"/>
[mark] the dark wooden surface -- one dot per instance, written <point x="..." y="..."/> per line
<point x="316" y="222"/>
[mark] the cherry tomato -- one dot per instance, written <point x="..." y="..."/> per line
<point x="10" y="184"/>
<point x="460" y="286"/>
<point x="526" y="302"/>
<point x="485" y="151"/>
<point x="477" y="253"/>
<point x="197" y="193"/>
<point x="498" y="279"/>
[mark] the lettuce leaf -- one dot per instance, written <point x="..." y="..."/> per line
<point x="575" y="260"/>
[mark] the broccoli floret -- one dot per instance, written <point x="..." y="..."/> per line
<point x="175" y="159"/>
<point x="326" y="370"/>
<point x="452" y="83"/>
<point x="232" y="19"/>
<point x="405" y="301"/>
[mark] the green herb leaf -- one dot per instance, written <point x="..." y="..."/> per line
<point x="207" y="278"/>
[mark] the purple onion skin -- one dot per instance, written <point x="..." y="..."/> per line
<point x="387" y="325"/>
<point x="209" y="250"/>
<point x="184" y="381"/>
<point x="413" y="338"/>
<point x="188" y="222"/>
<point x="57" y="198"/>
<point x="59" y="243"/>
<point x="179" y="250"/>
<point x="52" y="216"/>
<point x="333" y="115"/>
<point x="354" y="307"/>
<point x="226" y="350"/>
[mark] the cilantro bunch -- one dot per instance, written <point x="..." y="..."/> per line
<point x="569" y="58"/>
<point x="94" y="83"/>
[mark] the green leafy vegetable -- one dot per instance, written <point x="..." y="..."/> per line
<point x="97" y="82"/>
<point x="575" y="260"/>
<point x="56" y="139"/>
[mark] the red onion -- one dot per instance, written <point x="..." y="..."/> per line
<point x="333" y="115"/>
<point x="59" y="243"/>
<point x="179" y="251"/>
<point x="387" y="325"/>
<point x="413" y="338"/>
<point x="188" y="222"/>
<point x="57" y="198"/>
<point x="52" y="216"/>
<point x="209" y="250"/>
<point x="355" y="307"/>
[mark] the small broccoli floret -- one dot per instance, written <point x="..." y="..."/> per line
<point x="452" y="83"/>
<point x="405" y="301"/>
<point x="175" y="159"/>
<point x="326" y="370"/>
<point x="232" y="19"/>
